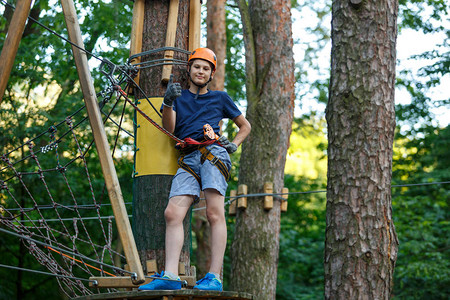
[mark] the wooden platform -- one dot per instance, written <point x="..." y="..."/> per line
<point x="170" y="295"/>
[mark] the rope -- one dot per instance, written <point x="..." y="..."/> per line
<point x="46" y="273"/>
<point x="232" y="199"/>
<point x="90" y="206"/>
<point x="63" y="250"/>
<point x="70" y="257"/>
<point x="55" y="33"/>
<point x="53" y="127"/>
<point x="163" y="130"/>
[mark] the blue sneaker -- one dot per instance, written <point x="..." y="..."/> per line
<point x="161" y="282"/>
<point x="209" y="283"/>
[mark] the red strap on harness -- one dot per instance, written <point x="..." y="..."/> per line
<point x="210" y="138"/>
<point x="190" y="142"/>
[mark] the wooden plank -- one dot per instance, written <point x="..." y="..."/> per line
<point x="194" y="24"/>
<point x="114" y="282"/>
<point x="137" y="28"/>
<point x="232" y="208"/>
<point x="268" y="199"/>
<point x="181" y="268"/>
<point x="177" y="295"/>
<point x="242" y="201"/>
<point x="101" y="142"/>
<point x="284" y="203"/>
<point x="12" y="42"/>
<point x="126" y="282"/>
<point x="170" y="38"/>
<point x="190" y="280"/>
<point x="152" y="267"/>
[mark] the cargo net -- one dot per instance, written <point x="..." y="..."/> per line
<point x="53" y="198"/>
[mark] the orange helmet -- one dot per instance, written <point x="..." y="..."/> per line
<point x="205" y="54"/>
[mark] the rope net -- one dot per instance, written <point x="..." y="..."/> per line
<point x="52" y="196"/>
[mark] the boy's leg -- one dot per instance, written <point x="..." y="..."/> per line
<point x="174" y="214"/>
<point x="215" y="211"/>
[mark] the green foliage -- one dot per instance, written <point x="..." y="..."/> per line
<point x="422" y="14"/>
<point x="302" y="236"/>
<point x="421" y="215"/>
<point x="235" y="62"/>
<point x="312" y="71"/>
<point x="302" y="240"/>
<point x="428" y="17"/>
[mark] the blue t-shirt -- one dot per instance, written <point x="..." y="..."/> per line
<point x="209" y="108"/>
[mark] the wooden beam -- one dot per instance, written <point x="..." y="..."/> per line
<point x="194" y="24"/>
<point x="233" y="204"/>
<point x="12" y="42"/>
<point x="137" y="28"/>
<point x="268" y="199"/>
<point x="284" y="203"/>
<point x="170" y="38"/>
<point x="242" y="201"/>
<point x="182" y="294"/>
<point x="127" y="282"/>
<point x="101" y="142"/>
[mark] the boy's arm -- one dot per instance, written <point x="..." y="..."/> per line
<point x="244" y="129"/>
<point x="168" y="118"/>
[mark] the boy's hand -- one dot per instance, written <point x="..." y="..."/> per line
<point x="173" y="91"/>
<point x="229" y="146"/>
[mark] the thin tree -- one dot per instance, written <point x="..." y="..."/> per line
<point x="361" y="243"/>
<point x="217" y="39"/>
<point x="270" y="95"/>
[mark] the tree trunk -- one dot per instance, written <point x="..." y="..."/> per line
<point x="361" y="243"/>
<point x="151" y="191"/>
<point x="216" y="41"/>
<point x="270" y="94"/>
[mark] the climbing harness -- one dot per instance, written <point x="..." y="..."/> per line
<point x="210" y="138"/>
<point x="209" y="133"/>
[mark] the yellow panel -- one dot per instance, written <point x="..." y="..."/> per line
<point x="156" y="154"/>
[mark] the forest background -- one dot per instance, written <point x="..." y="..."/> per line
<point x="42" y="90"/>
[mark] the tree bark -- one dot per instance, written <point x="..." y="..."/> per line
<point x="217" y="40"/>
<point x="151" y="192"/>
<point x="270" y="94"/>
<point x="361" y="244"/>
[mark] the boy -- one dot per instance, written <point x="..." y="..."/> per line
<point x="204" y="167"/>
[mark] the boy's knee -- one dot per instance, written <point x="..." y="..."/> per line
<point x="215" y="216"/>
<point x="171" y="215"/>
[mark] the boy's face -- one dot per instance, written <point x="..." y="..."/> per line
<point x="200" y="71"/>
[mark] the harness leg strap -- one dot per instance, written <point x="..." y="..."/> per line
<point x="206" y="154"/>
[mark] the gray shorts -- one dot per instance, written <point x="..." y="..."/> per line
<point x="184" y="183"/>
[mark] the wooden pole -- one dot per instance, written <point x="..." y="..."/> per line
<point x="12" y="41"/>
<point x="101" y="142"/>
<point x="170" y="38"/>
<point x="194" y="24"/>
<point x="137" y="28"/>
